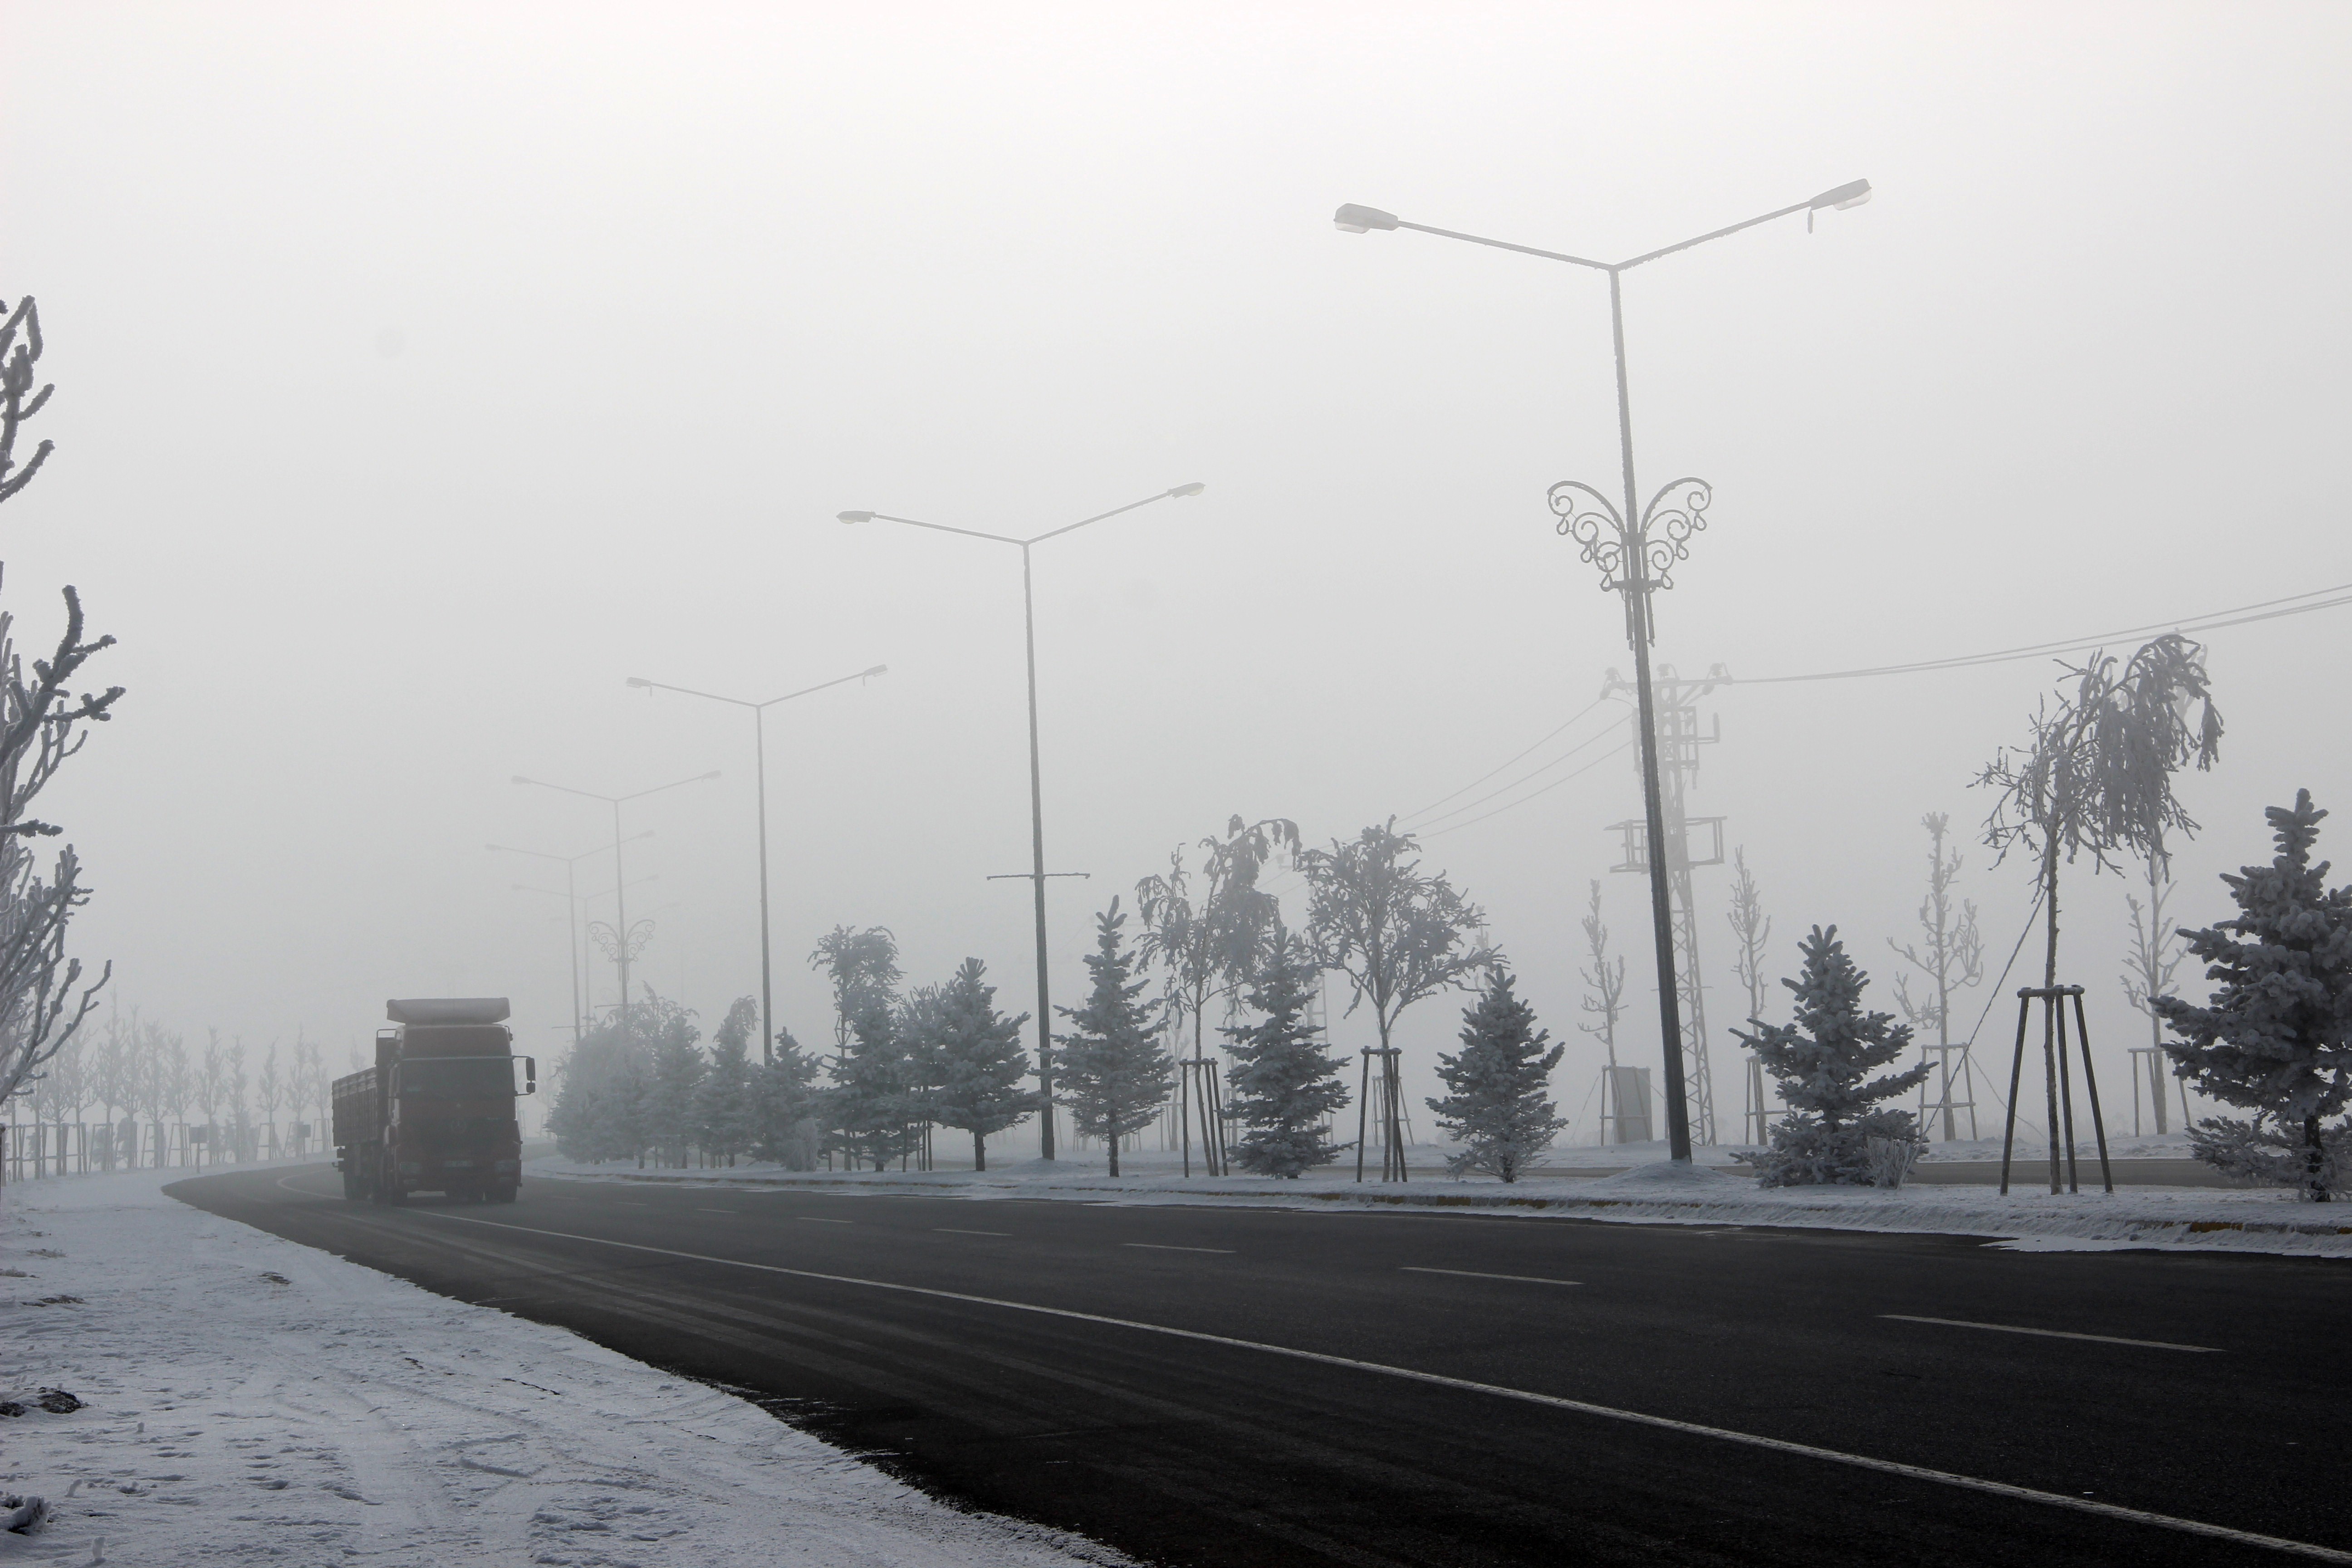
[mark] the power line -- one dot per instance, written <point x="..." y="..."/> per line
<point x="1482" y="778"/>
<point x="1546" y="789"/>
<point x="1528" y="777"/>
<point x="2243" y="615"/>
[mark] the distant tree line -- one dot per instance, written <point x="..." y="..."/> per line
<point x="908" y="1061"/>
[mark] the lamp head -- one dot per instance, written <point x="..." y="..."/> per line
<point x="711" y="775"/>
<point x="1195" y="488"/>
<point x="520" y="779"/>
<point x="856" y="516"/>
<point x="1851" y="194"/>
<point x="636" y="680"/>
<point x="878" y="669"/>
<point x="1353" y="219"/>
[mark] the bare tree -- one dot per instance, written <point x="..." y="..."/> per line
<point x="1753" y="928"/>
<point x="1954" y="958"/>
<point x="42" y="725"/>
<point x="1605" y="1000"/>
<point x="210" y="1086"/>
<point x="1210" y="949"/>
<point x="270" y="1086"/>
<point x="1398" y="933"/>
<point x="2157" y="947"/>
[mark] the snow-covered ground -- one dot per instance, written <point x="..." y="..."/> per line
<point x="249" y="1400"/>
<point x="1650" y="1191"/>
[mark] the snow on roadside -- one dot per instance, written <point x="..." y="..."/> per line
<point x="250" y="1400"/>
<point x="2203" y="1219"/>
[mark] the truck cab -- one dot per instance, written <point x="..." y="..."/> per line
<point x="436" y="1112"/>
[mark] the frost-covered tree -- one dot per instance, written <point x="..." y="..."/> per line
<point x="1286" y="1085"/>
<point x="2094" y="779"/>
<point x="1398" y="933"/>
<point x="1498" y="1103"/>
<point x="2155" y="956"/>
<point x="43" y="724"/>
<point x="1950" y="958"/>
<point x="1115" y="1071"/>
<point x="723" y="1101"/>
<point x="675" y="1068"/>
<point x="979" y="1063"/>
<point x="784" y="1106"/>
<point x="866" y="1106"/>
<point x="2276" y="1035"/>
<point x="1823" y="1062"/>
<point x="1212" y="947"/>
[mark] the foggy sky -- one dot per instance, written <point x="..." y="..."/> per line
<point x="424" y="371"/>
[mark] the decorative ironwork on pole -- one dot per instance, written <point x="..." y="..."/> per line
<point x="1632" y="561"/>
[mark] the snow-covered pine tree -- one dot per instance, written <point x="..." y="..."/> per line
<point x="1823" y="1062"/>
<point x="675" y="1067"/>
<point x="1115" y="1074"/>
<point x="1497" y="1104"/>
<point x="1284" y="1085"/>
<point x="979" y="1063"/>
<point x="784" y="1106"/>
<point x="2276" y="1038"/>
<point x="723" y="1101"/>
<point x="866" y="1105"/>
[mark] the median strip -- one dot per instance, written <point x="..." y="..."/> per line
<point x="1581" y="1407"/>
<point x="2053" y="1333"/>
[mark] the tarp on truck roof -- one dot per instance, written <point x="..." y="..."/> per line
<point x="447" y="1010"/>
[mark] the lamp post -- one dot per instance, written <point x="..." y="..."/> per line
<point x="1036" y="789"/>
<point x="1635" y="550"/>
<point x="620" y="880"/>
<point x="759" y="745"/>
<point x="572" y="902"/>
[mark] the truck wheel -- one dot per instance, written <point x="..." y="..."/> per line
<point x="503" y="1196"/>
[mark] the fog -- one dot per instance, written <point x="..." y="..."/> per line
<point x="427" y="371"/>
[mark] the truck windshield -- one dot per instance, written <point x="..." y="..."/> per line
<point x="457" y="1078"/>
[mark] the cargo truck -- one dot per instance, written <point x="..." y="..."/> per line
<point x="436" y="1112"/>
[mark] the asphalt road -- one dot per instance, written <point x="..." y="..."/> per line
<point x="908" y="1329"/>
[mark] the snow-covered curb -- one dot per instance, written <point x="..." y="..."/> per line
<point x="251" y="1400"/>
<point x="2203" y="1219"/>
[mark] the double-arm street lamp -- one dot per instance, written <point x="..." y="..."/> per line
<point x="1635" y="558"/>
<point x="759" y="745"/>
<point x="572" y="903"/>
<point x="1036" y="789"/>
<point x="620" y="880"/>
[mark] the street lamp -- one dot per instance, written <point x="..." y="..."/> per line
<point x="1037" y="788"/>
<point x="1635" y="550"/>
<point x="620" y="880"/>
<point x="571" y="897"/>
<point x="760" y="744"/>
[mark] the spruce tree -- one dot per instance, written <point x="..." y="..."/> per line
<point x="977" y="1061"/>
<point x="867" y="1104"/>
<point x="784" y="1106"/>
<point x="1497" y="1105"/>
<point x="677" y="1070"/>
<point x="2276" y="1038"/>
<point x="1114" y="1073"/>
<point x="723" y="1101"/>
<point x="1285" y="1087"/>
<point x="1823" y="1062"/>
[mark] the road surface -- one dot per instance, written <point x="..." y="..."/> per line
<point x="1258" y="1387"/>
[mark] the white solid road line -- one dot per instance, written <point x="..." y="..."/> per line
<point x="1662" y="1423"/>
<point x="1157" y="1247"/>
<point x="2053" y="1333"/>
<point x="1473" y="1274"/>
<point x="950" y="1230"/>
